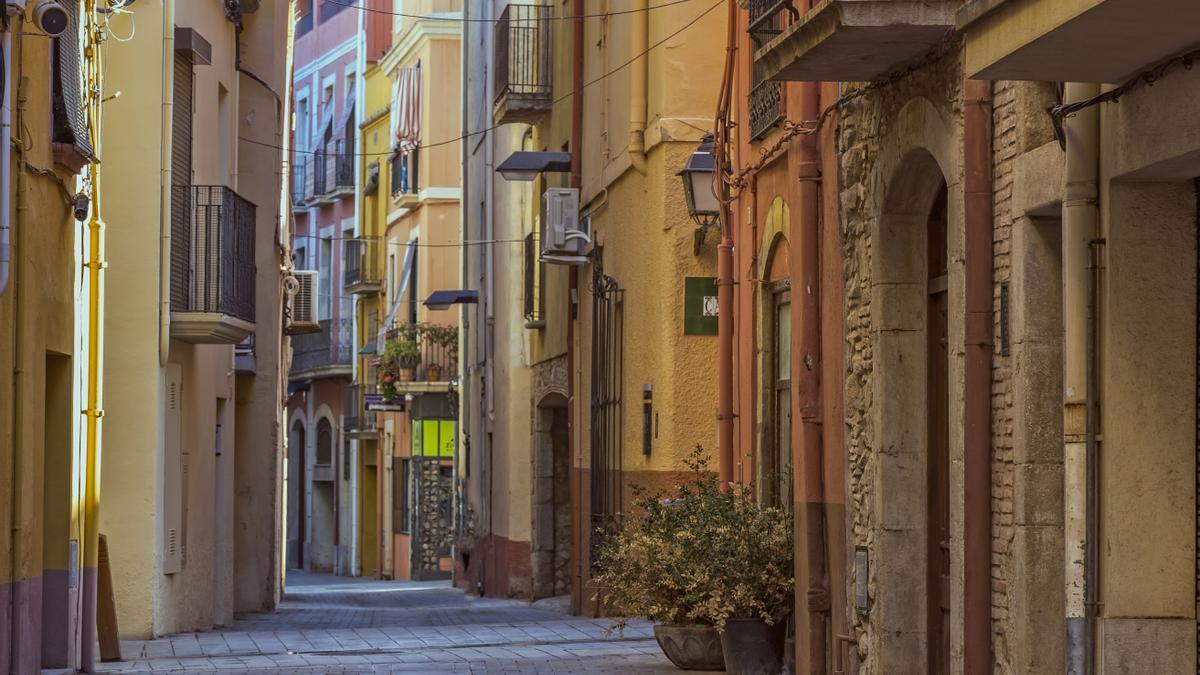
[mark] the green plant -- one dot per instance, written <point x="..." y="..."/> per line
<point x="700" y="555"/>
<point x="443" y="336"/>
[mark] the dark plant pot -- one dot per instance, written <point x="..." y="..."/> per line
<point x="691" y="647"/>
<point x="752" y="647"/>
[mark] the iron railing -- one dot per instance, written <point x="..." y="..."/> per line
<point x="766" y="108"/>
<point x="523" y="56"/>
<point x="357" y="418"/>
<point x="405" y="172"/>
<point x="320" y="178"/>
<point x="343" y="174"/>
<point x="608" y="372"/>
<point x="331" y="347"/>
<point x="212" y="251"/>
<point x="362" y="263"/>
<point x="767" y="18"/>
<point x="299" y="171"/>
<point x="438" y="360"/>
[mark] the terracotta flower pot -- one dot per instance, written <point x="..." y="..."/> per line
<point x="691" y="647"/>
<point x="752" y="647"/>
<point x="407" y="374"/>
<point x="433" y="372"/>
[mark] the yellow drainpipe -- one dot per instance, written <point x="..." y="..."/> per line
<point x="95" y="321"/>
<point x="637" y="95"/>
<point x="164" y="203"/>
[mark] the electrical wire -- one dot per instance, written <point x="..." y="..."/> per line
<point x="405" y="244"/>
<point x="435" y="17"/>
<point x="472" y="134"/>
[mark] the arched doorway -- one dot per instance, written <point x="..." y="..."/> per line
<point x="913" y="298"/>
<point x="321" y="546"/>
<point x="551" y="545"/>
<point x="296" y="522"/>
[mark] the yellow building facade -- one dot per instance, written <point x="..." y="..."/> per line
<point x="195" y="352"/>
<point x="51" y="248"/>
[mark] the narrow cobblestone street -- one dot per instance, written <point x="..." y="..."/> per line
<point x="328" y="624"/>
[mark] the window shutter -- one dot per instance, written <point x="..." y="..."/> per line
<point x="70" y="121"/>
<point x="181" y="177"/>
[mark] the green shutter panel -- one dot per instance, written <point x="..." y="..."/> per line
<point x="70" y="121"/>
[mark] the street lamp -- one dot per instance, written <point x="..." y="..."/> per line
<point x="525" y="165"/>
<point x="697" y="177"/>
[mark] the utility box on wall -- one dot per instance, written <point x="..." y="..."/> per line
<point x="700" y="306"/>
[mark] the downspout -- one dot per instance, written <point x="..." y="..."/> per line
<point x="583" y="512"/>
<point x="94" y="411"/>
<point x="165" y="179"/>
<point x="18" y="379"/>
<point x="6" y="161"/>
<point x="809" y="383"/>
<point x="725" y="278"/>
<point x="464" y="373"/>
<point x="639" y="76"/>
<point x="977" y="378"/>
<point x="1080" y="224"/>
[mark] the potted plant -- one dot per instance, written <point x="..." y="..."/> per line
<point x="711" y="567"/>
<point x="402" y="352"/>
<point x="446" y="339"/>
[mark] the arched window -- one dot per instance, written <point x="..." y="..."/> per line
<point x="324" y="442"/>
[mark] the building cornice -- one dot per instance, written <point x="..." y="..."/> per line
<point x="420" y="32"/>
<point x="340" y="50"/>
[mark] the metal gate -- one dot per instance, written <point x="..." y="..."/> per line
<point x="608" y="366"/>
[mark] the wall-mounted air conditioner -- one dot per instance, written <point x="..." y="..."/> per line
<point x="566" y="236"/>
<point x="301" y="315"/>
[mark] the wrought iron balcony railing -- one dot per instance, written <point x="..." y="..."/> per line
<point x="766" y="108"/>
<point x="405" y="172"/>
<point x="362" y="265"/>
<point x="523" y="72"/>
<point x="212" y="252"/>
<point x="416" y="356"/>
<point x="357" y="419"/>
<point x="343" y="176"/>
<point x="318" y="162"/>
<point x="299" y="176"/>
<point x="768" y="18"/>
<point x="330" y="349"/>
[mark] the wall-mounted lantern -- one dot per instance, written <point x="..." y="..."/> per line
<point x="697" y="177"/>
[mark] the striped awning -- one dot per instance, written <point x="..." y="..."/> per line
<point x="406" y="109"/>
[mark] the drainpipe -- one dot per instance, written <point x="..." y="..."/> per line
<point x="164" y="201"/>
<point x="725" y="273"/>
<point x="18" y="380"/>
<point x="6" y="161"/>
<point x="578" y="532"/>
<point x="977" y="375"/>
<point x="639" y="77"/>
<point x="464" y="372"/>
<point x="808" y="388"/>
<point x="1080" y="224"/>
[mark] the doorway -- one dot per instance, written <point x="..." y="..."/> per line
<point x="295" y="496"/>
<point x="938" y="440"/>
<point x="551" y="555"/>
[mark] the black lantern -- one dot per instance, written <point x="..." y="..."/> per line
<point x="697" y="177"/>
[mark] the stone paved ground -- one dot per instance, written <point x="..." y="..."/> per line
<point x="329" y="624"/>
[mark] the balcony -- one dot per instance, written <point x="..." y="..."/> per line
<point x="339" y="179"/>
<point x="300" y="194"/>
<point x="327" y="353"/>
<point x="523" y="73"/>
<point x="213" y="274"/>
<point x="852" y="40"/>
<point x="318" y="175"/>
<point x="359" y="422"/>
<point x="766" y="107"/>
<point x="363" y="265"/>
<point x="405" y="170"/>
<point x="1105" y="41"/>
<point x="417" y="359"/>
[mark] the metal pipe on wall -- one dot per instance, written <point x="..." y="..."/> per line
<point x="808" y="389"/>
<point x="579" y="539"/>
<point x="977" y="378"/>
<point x="165" y="180"/>
<point x="639" y="79"/>
<point x="1080" y="224"/>
<point x="6" y="161"/>
<point x="725" y="269"/>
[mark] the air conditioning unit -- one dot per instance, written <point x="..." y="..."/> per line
<point x="301" y="315"/>
<point x="566" y="236"/>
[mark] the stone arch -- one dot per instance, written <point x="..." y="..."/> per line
<point x="773" y="273"/>
<point x="322" y="507"/>
<point x="900" y="319"/>
<point x="776" y="231"/>
<point x="551" y="532"/>
<point x="296" y="489"/>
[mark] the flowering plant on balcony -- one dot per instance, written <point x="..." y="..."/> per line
<point x="401" y="356"/>
<point x="445" y="337"/>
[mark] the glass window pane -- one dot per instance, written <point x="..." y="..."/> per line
<point x="783" y="445"/>
<point x="783" y="340"/>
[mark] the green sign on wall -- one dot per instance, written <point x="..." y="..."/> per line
<point x="700" y="306"/>
<point x="433" y="438"/>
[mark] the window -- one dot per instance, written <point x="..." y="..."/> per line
<point x="331" y="9"/>
<point x="778" y="463"/>
<point x="345" y="300"/>
<point x="304" y="17"/>
<point x="303" y="122"/>
<point x="414" y="295"/>
<point x="401" y="495"/>
<point x="346" y="459"/>
<point x="300" y="258"/>
<point x="324" y="443"/>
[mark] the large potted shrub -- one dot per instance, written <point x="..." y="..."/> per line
<point x="402" y="351"/>
<point x="708" y="565"/>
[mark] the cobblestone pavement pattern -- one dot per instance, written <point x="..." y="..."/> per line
<point x="329" y="624"/>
